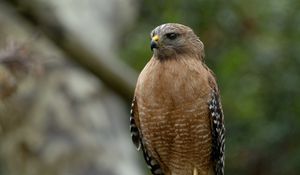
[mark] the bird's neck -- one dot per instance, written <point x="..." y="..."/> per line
<point x="195" y="52"/>
<point x="163" y="56"/>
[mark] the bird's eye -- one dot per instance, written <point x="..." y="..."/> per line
<point x="171" y="36"/>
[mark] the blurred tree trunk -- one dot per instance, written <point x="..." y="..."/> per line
<point x="92" y="44"/>
<point x="59" y="118"/>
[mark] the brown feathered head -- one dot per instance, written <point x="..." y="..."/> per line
<point x="169" y="41"/>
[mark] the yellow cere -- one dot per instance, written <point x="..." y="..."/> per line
<point x="155" y="38"/>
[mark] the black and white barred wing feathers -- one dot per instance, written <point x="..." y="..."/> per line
<point x="218" y="132"/>
<point x="138" y="140"/>
<point x="134" y="131"/>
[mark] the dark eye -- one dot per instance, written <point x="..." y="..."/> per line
<point x="171" y="36"/>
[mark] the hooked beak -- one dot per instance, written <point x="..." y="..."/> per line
<point x="154" y="42"/>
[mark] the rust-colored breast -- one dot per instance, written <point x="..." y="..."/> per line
<point x="172" y="98"/>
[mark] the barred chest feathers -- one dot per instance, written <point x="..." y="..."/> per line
<point x="174" y="116"/>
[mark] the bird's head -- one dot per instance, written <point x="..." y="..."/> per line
<point x="172" y="40"/>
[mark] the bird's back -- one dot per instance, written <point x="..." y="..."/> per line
<point x="173" y="114"/>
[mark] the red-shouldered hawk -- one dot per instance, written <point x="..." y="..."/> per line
<point x="176" y="117"/>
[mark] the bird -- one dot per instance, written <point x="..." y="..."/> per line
<point x="176" y="116"/>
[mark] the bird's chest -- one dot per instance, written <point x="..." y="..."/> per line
<point x="173" y="115"/>
<point x="171" y="84"/>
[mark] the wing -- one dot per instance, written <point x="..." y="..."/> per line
<point x="138" y="140"/>
<point x="134" y="131"/>
<point x="218" y="132"/>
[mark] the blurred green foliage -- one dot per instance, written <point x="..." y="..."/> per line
<point x="253" y="47"/>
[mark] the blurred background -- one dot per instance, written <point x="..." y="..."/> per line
<point x="68" y="70"/>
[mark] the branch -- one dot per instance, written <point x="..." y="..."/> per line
<point x="115" y="74"/>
